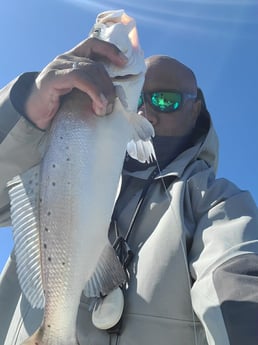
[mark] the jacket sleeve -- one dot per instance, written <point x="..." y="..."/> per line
<point x="20" y="140"/>
<point x="224" y="261"/>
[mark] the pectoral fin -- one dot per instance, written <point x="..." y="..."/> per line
<point x="141" y="147"/>
<point x="24" y="195"/>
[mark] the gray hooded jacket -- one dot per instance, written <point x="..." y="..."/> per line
<point x="193" y="277"/>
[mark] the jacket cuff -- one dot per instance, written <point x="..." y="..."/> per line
<point x="12" y="101"/>
<point x="21" y="90"/>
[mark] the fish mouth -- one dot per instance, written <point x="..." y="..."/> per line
<point x="126" y="77"/>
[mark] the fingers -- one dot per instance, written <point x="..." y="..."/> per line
<point x="68" y="72"/>
<point x="83" y="66"/>
<point x="95" y="82"/>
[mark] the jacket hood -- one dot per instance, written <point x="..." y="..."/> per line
<point x="209" y="148"/>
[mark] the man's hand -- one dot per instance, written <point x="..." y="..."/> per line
<point x="81" y="68"/>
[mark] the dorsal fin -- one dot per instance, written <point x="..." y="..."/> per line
<point x="24" y="196"/>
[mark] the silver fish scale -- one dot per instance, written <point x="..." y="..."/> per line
<point x="73" y="234"/>
<point x="63" y="177"/>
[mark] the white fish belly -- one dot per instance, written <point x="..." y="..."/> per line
<point x="79" y="181"/>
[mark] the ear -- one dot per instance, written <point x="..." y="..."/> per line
<point x="197" y="105"/>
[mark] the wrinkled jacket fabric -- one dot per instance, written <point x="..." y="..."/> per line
<point x="194" y="274"/>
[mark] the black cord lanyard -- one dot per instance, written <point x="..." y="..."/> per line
<point x="121" y="243"/>
<point x="122" y="248"/>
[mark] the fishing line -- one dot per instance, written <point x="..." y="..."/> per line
<point x="181" y="242"/>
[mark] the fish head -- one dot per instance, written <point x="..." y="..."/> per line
<point x="120" y="29"/>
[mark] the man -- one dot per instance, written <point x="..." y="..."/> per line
<point x="193" y="277"/>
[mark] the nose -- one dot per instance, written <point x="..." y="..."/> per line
<point x="145" y="111"/>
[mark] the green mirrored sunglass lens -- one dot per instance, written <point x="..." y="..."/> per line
<point x="165" y="100"/>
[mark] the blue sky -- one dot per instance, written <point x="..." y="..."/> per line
<point x="218" y="39"/>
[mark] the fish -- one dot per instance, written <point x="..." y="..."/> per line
<point x="61" y="208"/>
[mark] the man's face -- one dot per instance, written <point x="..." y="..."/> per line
<point x="162" y="74"/>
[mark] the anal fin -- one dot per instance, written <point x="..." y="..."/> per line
<point x="108" y="274"/>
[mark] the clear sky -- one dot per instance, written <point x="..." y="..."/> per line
<point x="218" y="39"/>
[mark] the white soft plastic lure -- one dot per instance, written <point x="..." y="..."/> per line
<point x="61" y="210"/>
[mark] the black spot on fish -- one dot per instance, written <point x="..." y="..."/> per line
<point x="49" y="258"/>
<point x="40" y="199"/>
<point x="45" y="246"/>
<point x="63" y="263"/>
<point x="53" y="165"/>
<point x="49" y="213"/>
<point x="46" y="229"/>
<point x="53" y="183"/>
<point x="67" y="148"/>
<point x="67" y="159"/>
<point x="61" y="138"/>
<point x="30" y="181"/>
<point x="49" y="326"/>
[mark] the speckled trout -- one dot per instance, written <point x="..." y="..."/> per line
<point x="62" y="208"/>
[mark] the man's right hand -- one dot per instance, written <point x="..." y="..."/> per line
<point x="81" y="68"/>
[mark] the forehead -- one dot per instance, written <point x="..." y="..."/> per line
<point x="166" y="73"/>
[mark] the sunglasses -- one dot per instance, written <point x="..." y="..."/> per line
<point x="165" y="101"/>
